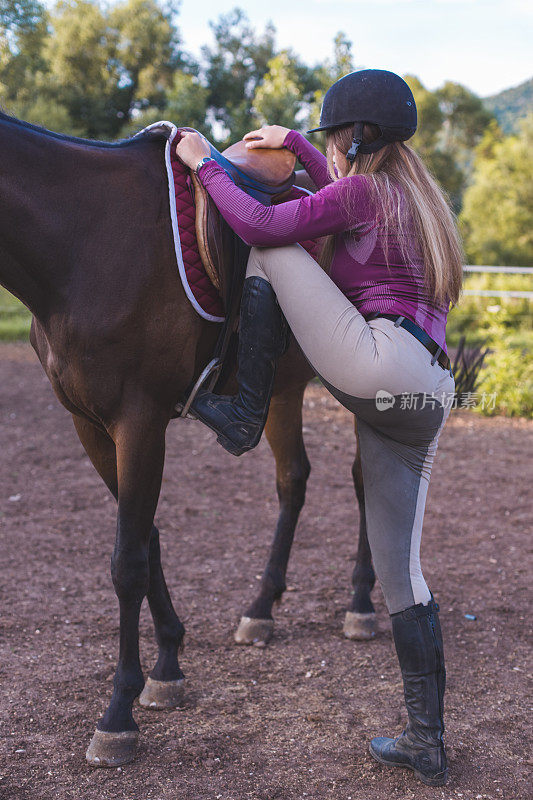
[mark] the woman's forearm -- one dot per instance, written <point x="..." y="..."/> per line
<point x="314" y="162"/>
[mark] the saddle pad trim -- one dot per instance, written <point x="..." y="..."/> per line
<point x="164" y="126"/>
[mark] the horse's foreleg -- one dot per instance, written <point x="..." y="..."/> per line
<point x="140" y="444"/>
<point x="164" y="686"/>
<point x="360" y="620"/>
<point x="284" y="434"/>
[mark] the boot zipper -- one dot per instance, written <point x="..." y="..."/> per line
<point x="437" y="653"/>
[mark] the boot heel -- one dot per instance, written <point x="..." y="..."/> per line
<point x="235" y="449"/>
<point x="438" y="780"/>
<point x="231" y="447"/>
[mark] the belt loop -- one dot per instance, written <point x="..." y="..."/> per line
<point x="398" y="322"/>
<point x="437" y="354"/>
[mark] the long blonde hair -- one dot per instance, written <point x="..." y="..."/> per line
<point x="394" y="172"/>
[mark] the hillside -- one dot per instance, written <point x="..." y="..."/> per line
<point x="511" y="105"/>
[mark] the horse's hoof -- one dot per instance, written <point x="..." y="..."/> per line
<point x="162" y="694"/>
<point x="254" y="631"/>
<point x="359" y="626"/>
<point x="112" y="749"/>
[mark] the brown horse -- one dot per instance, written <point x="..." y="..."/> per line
<point x="86" y="244"/>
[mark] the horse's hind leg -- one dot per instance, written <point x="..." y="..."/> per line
<point x="284" y="434"/>
<point x="360" y="620"/>
<point x="164" y="687"/>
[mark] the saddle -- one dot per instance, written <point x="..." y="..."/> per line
<point x="269" y="177"/>
<point x="266" y="175"/>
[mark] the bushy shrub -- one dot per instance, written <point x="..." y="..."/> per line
<point x="507" y="378"/>
<point x="505" y="326"/>
<point x="508" y="369"/>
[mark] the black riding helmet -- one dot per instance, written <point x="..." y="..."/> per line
<point x="370" y="96"/>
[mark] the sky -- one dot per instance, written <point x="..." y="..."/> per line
<point x="484" y="44"/>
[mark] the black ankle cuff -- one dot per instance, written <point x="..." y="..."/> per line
<point x="418" y="610"/>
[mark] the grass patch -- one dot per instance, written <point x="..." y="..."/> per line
<point x="15" y="319"/>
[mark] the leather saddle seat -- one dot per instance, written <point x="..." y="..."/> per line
<point x="266" y="175"/>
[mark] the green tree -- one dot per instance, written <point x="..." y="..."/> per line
<point x="430" y="116"/>
<point x="342" y="63"/>
<point x="326" y="74"/>
<point x="234" y="67"/>
<point x="185" y="104"/>
<point x="426" y="140"/>
<point x="497" y="216"/>
<point x="23" y="32"/>
<point x="84" y="67"/>
<point x="103" y="65"/>
<point x="148" y="49"/>
<point x="465" y="118"/>
<point x="17" y="15"/>
<point x="278" y="99"/>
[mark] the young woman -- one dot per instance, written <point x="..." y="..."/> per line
<point x="372" y="324"/>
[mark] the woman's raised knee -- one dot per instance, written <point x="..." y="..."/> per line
<point x="262" y="260"/>
<point x="254" y="266"/>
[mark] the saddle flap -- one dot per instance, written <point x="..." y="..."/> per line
<point x="214" y="237"/>
<point x="267" y="176"/>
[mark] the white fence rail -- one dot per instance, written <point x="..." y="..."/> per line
<point x="498" y="292"/>
<point x="505" y="270"/>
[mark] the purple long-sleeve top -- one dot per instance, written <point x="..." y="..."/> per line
<point x="359" y="266"/>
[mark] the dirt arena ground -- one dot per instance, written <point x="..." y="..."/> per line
<point x="292" y="721"/>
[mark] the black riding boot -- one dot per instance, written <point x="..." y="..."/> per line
<point x="418" y="640"/>
<point x="263" y="336"/>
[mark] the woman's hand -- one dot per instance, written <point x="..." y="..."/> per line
<point x="191" y="148"/>
<point x="271" y="136"/>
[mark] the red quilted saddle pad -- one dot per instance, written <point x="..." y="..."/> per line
<point x="203" y="290"/>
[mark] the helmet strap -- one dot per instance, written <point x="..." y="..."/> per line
<point x="357" y="138"/>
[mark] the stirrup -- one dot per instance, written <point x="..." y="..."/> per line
<point x="212" y="371"/>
